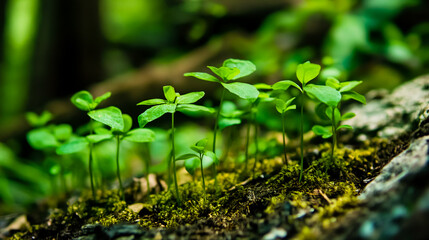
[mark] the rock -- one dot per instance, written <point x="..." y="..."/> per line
<point x="394" y="114"/>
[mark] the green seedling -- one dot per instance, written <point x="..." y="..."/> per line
<point x="204" y="156"/>
<point x="120" y="130"/>
<point x="305" y="73"/>
<point x="231" y="70"/>
<point x="173" y="102"/>
<point x="330" y="109"/>
<point x="84" y="101"/>
<point x="282" y="107"/>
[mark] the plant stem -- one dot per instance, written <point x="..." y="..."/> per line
<point x="118" y="172"/>
<point x="284" y="138"/>
<point x="174" y="160"/>
<point x="214" y="134"/>
<point x="247" y="147"/>
<point x="334" y="136"/>
<point x="147" y="156"/>
<point x="302" y="136"/>
<point x="256" y="145"/>
<point x="90" y="170"/>
<point x="202" y="174"/>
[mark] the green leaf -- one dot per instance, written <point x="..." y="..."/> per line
<point x="291" y="107"/>
<point x="202" y="142"/>
<point x="307" y="71"/>
<point x="41" y="139"/>
<point x="209" y="158"/>
<point x="102" y="97"/>
<point x="192" y="108"/>
<point x="280" y="105"/>
<point x="155" y="112"/>
<point x="190" y="97"/>
<point x="191" y="165"/>
<point x="347" y="86"/>
<point x="333" y="83"/>
<point x="38" y="121"/>
<point x="155" y="101"/>
<point x="169" y="93"/>
<point x="63" y="132"/>
<point x="242" y="90"/>
<point x="187" y="156"/>
<point x="202" y="76"/>
<point x="102" y="131"/>
<point x="325" y="132"/>
<point x="128" y="122"/>
<point x="348" y="115"/>
<point x="225" y="73"/>
<point x="285" y="84"/>
<point x="110" y="116"/>
<point x="96" y="138"/>
<point x="321" y="111"/>
<point x="354" y="95"/>
<point x="83" y="100"/>
<point x="344" y="126"/>
<point x="263" y="86"/>
<point x="72" y="146"/>
<point x="140" y="135"/>
<point x="197" y="149"/>
<point x="246" y="67"/>
<point x="325" y="94"/>
<point x="227" y="122"/>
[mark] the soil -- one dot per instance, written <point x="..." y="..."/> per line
<point x="273" y="205"/>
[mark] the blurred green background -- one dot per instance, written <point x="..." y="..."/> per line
<point x="52" y="49"/>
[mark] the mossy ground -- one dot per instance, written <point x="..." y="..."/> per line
<point x="274" y="197"/>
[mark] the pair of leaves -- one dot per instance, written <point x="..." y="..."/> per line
<point x="304" y="72"/>
<point x="345" y="88"/>
<point x="231" y="70"/>
<point x="181" y="103"/>
<point x="38" y="120"/>
<point x="85" y="101"/>
<point x="193" y="160"/>
<point x="49" y="137"/>
<point x="325" y="94"/>
<point x="284" y="106"/>
<point x="326" y="131"/>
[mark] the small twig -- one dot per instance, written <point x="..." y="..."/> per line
<point x="324" y="196"/>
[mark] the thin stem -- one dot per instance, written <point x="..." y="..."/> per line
<point x="334" y="136"/>
<point x="118" y="172"/>
<point x="214" y="134"/>
<point x="147" y="163"/>
<point x="247" y="147"/>
<point x="256" y="145"/>
<point x="284" y="138"/>
<point x="90" y="171"/>
<point x="302" y="136"/>
<point x="174" y="160"/>
<point x="202" y="174"/>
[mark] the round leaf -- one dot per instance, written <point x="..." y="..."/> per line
<point x="169" y="93"/>
<point x="140" y="135"/>
<point x="191" y="165"/>
<point x="72" y="146"/>
<point x="82" y="100"/>
<point x="242" y="90"/>
<point x="110" y="116"/>
<point x="325" y="94"/>
<point x="63" y="132"/>
<point x="325" y="132"/>
<point x="246" y="67"/>
<point x="128" y="122"/>
<point x="307" y="71"/>
<point x="41" y="139"/>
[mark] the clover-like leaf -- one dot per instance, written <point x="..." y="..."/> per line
<point x="349" y="85"/>
<point x="325" y="132"/>
<point x="190" y="97"/>
<point x="103" y="97"/>
<point x="325" y="94"/>
<point x="245" y="67"/>
<point x="110" y="116"/>
<point x="242" y="90"/>
<point x="355" y="96"/>
<point x="73" y="146"/>
<point x="202" y="76"/>
<point x="225" y="73"/>
<point x="41" y="139"/>
<point x="38" y="121"/>
<point x="169" y="93"/>
<point x="307" y="71"/>
<point x="285" y="84"/>
<point x="155" y="101"/>
<point x="155" y="112"/>
<point x="140" y="135"/>
<point x="83" y="100"/>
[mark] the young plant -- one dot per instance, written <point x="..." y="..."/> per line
<point x="120" y="130"/>
<point x="282" y="107"/>
<point x="331" y="107"/>
<point x="206" y="158"/>
<point x="231" y="70"/>
<point x="305" y="73"/>
<point x="173" y="102"/>
<point x="84" y="101"/>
